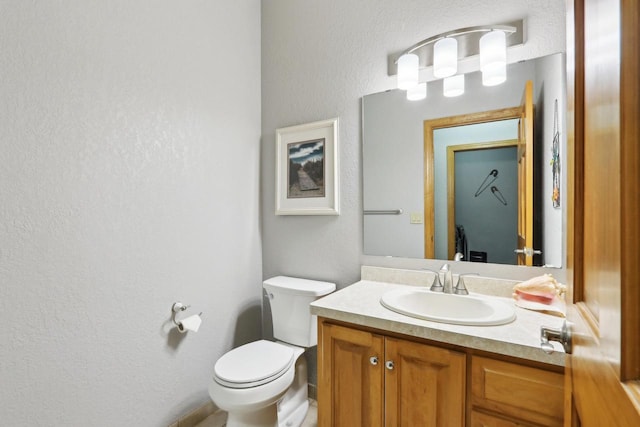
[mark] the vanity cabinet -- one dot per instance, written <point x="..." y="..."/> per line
<point x="373" y="378"/>
<point x="519" y="395"/>
<point x="369" y="379"/>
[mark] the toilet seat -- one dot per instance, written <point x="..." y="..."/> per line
<point x="253" y="364"/>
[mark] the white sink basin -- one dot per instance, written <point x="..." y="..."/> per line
<point x="449" y="308"/>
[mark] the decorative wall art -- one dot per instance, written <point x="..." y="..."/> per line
<point x="307" y="169"/>
<point x="555" y="158"/>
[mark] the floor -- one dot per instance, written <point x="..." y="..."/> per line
<point x="312" y="416"/>
<point x="219" y="419"/>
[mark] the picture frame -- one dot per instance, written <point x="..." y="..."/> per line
<point x="307" y="173"/>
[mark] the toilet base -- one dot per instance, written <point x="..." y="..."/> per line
<point x="295" y="418"/>
<point x="280" y="403"/>
<point x="268" y="417"/>
<point x="265" y="417"/>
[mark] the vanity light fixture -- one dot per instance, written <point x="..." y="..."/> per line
<point x="453" y="86"/>
<point x="445" y="57"/>
<point x="417" y="92"/>
<point x="408" y="71"/>
<point x="450" y="54"/>
<point x="493" y="58"/>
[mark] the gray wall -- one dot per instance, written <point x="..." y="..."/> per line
<point x="549" y="89"/>
<point x="129" y="153"/>
<point x="459" y="135"/>
<point x="490" y="223"/>
<point x="319" y="59"/>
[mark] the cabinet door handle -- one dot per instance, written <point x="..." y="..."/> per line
<point x="389" y="365"/>
<point x="373" y="360"/>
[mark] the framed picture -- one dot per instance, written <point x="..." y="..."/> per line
<point x="307" y="169"/>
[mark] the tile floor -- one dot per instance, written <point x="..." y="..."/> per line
<point x="312" y="416"/>
<point x="219" y="419"/>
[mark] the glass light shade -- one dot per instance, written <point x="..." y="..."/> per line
<point x="408" y="65"/>
<point x="445" y="57"/>
<point x="493" y="48"/>
<point x="453" y="86"/>
<point x="417" y="92"/>
<point x="494" y="75"/>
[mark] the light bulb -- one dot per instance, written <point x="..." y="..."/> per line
<point x="494" y="75"/>
<point x="445" y="57"/>
<point x="493" y="58"/>
<point x="453" y="86"/>
<point x="408" y="69"/>
<point x="417" y="92"/>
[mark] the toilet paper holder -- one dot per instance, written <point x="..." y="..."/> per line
<point x="176" y="308"/>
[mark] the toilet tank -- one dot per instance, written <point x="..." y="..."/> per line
<point x="289" y="298"/>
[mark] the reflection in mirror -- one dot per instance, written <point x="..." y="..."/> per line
<point x="397" y="170"/>
<point x="481" y="191"/>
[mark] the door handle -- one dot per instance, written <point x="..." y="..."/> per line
<point x="562" y="335"/>
<point x="389" y="365"/>
<point x="526" y="251"/>
<point x="373" y="360"/>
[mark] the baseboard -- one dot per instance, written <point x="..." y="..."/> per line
<point x="198" y="415"/>
<point x="193" y="418"/>
<point x="312" y="391"/>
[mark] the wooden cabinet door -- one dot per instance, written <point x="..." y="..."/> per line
<point x="425" y="386"/>
<point x="480" y="419"/>
<point x="350" y="382"/>
<point x="518" y="392"/>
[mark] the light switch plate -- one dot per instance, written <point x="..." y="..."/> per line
<point x="416" y="218"/>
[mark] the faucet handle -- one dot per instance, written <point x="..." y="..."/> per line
<point x="436" y="286"/>
<point x="460" y="288"/>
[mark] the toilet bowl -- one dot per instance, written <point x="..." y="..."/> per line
<point x="249" y="381"/>
<point x="264" y="383"/>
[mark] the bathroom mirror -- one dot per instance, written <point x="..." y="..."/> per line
<point x="394" y="165"/>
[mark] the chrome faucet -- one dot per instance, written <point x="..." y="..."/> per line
<point x="443" y="282"/>
<point x="436" y="286"/>
<point x="447" y="281"/>
<point x="460" y="288"/>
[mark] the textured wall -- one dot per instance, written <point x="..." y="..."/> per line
<point x="319" y="59"/>
<point x="129" y="152"/>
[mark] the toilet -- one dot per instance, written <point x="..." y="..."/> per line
<point x="264" y="383"/>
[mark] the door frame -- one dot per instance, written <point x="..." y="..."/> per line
<point x="429" y="168"/>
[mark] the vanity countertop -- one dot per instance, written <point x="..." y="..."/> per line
<point x="359" y="304"/>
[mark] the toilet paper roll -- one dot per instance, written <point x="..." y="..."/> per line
<point x="191" y="323"/>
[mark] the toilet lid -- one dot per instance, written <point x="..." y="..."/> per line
<point x="253" y="364"/>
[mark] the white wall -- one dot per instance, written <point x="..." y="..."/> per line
<point x="319" y="59"/>
<point x="129" y="152"/>
<point x="549" y="89"/>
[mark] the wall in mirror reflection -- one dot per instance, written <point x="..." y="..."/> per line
<point x="393" y="163"/>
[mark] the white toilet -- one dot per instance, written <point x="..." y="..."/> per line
<point x="264" y="383"/>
